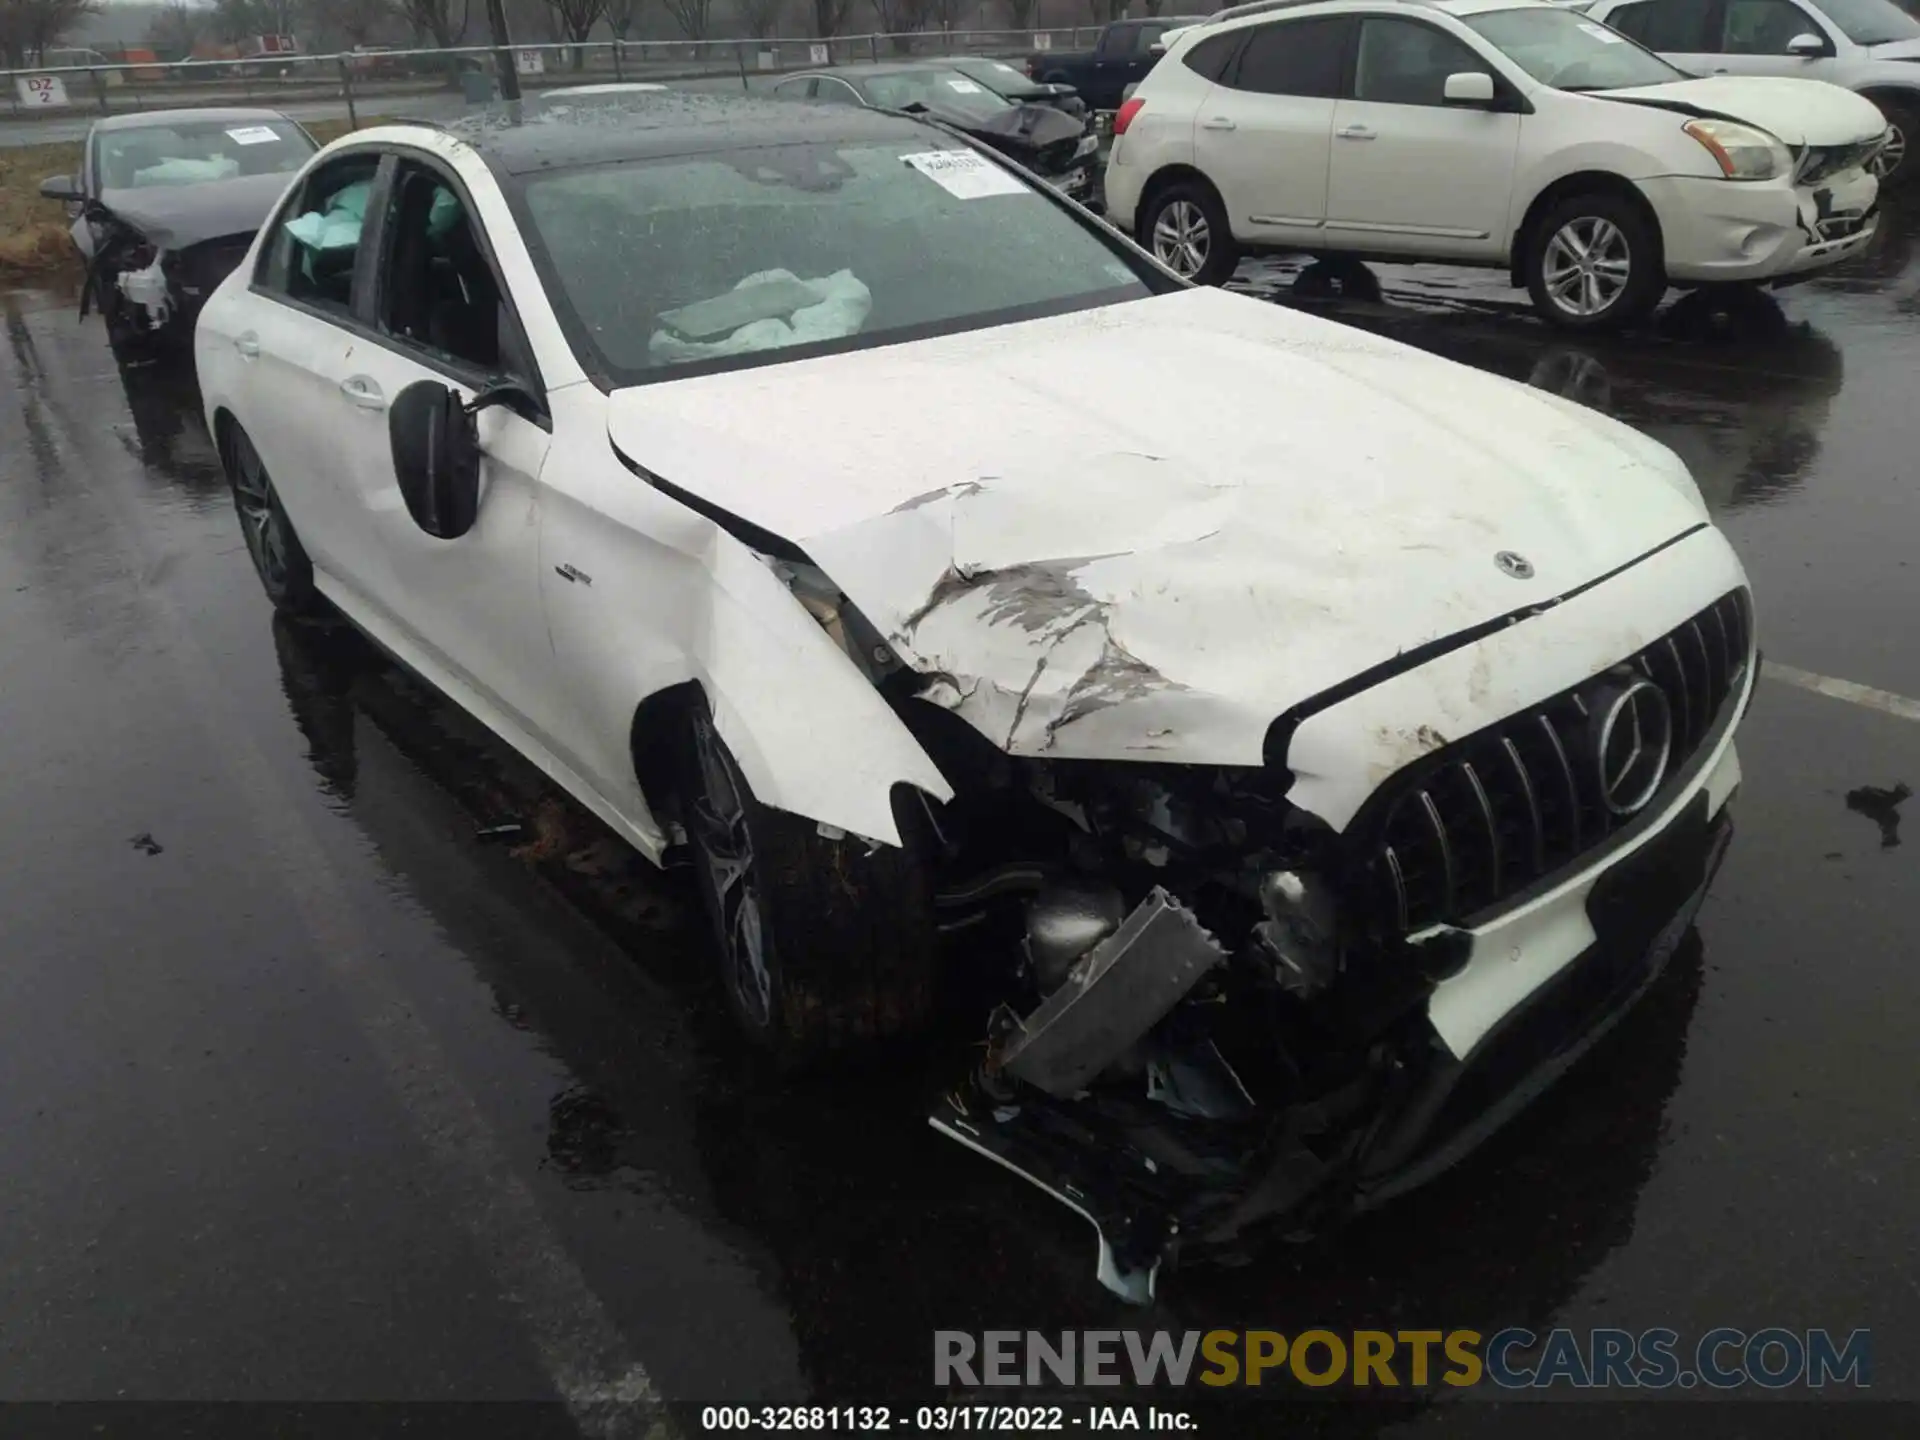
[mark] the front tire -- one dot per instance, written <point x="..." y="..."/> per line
<point x="826" y="947"/>
<point x="1892" y="164"/>
<point x="279" y="559"/>
<point x="1185" y="227"/>
<point x="1594" y="263"/>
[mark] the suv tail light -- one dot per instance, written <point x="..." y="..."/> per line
<point x="1123" y="117"/>
<point x="1032" y="67"/>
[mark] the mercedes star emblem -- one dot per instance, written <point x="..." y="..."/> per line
<point x="1633" y="745"/>
<point x="1518" y="566"/>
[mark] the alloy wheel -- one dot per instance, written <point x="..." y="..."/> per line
<point x="1890" y="155"/>
<point x="1182" y="238"/>
<point x="261" y="522"/>
<point x="1587" y="266"/>
<point x="719" y="813"/>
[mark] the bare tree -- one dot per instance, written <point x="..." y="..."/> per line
<point x="442" y="23"/>
<point x="575" y="20"/>
<point x="1105" y="11"/>
<point x="1154" y="7"/>
<point x="900" y="17"/>
<point x="356" y="21"/>
<point x="761" y="17"/>
<point x="621" y="15"/>
<point x="1020" y="13"/>
<point x="947" y="14"/>
<point x="829" y="16"/>
<point x="31" y="27"/>
<point x="177" y="28"/>
<point x="694" y="17"/>
<point x="237" y="19"/>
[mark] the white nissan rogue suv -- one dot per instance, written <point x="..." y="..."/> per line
<point x="1505" y="133"/>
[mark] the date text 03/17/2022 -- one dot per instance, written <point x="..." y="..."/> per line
<point x="944" y="1419"/>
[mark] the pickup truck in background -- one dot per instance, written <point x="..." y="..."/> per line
<point x="1119" y="58"/>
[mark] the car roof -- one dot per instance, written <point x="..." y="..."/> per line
<point x="518" y="139"/>
<point x="1259" y="9"/>
<point x="866" y="69"/>
<point x="143" y="119"/>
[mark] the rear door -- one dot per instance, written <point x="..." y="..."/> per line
<point x="312" y="273"/>
<point x="1263" y="134"/>
<point x="1409" y="172"/>
<point x="1120" y="46"/>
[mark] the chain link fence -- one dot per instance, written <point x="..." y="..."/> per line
<point x="371" y="76"/>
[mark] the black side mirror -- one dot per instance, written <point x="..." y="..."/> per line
<point x="61" y="187"/>
<point x="436" y="457"/>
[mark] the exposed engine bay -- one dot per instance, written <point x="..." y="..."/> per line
<point x="1214" y="1022"/>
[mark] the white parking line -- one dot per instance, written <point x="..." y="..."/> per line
<point x="1885" y="701"/>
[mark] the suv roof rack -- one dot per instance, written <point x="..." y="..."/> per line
<point x="1260" y="7"/>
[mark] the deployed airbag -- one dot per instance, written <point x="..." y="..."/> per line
<point x="841" y="304"/>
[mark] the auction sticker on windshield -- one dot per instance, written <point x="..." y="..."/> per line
<point x="963" y="174"/>
<point x="253" y="135"/>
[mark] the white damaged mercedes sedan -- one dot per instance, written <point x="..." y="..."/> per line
<point x="1304" y="746"/>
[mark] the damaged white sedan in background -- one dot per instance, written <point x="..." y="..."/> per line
<point x="1299" y="746"/>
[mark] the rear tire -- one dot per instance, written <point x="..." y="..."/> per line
<point x="1184" y="226"/>
<point x="279" y="559"/>
<point x="826" y="948"/>
<point x="1594" y="263"/>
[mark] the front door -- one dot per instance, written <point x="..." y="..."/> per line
<point x="1409" y="172"/>
<point x="470" y="606"/>
<point x="1753" y="40"/>
<point x="1262" y="133"/>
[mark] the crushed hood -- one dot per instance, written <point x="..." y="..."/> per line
<point x="1024" y="130"/>
<point x="176" y="216"/>
<point x="1147" y="530"/>
<point x="1798" y="112"/>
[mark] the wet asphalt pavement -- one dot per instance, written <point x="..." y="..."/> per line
<point x="310" y="1091"/>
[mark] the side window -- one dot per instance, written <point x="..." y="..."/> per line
<point x="1210" y="57"/>
<point x="1678" y="27"/>
<point x="1763" y="27"/>
<point x="835" y="92"/>
<point x="438" y="292"/>
<point x="1295" y="57"/>
<point x="1119" y="41"/>
<point x="316" y="237"/>
<point x="800" y="88"/>
<point x="1402" y="62"/>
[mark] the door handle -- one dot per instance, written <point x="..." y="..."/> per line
<point x="1355" y="132"/>
<point x="1720" y="70"/>
<point x="1218" y="122"/>
<point x="363" y="392"/>
<point x="248" y="345"/>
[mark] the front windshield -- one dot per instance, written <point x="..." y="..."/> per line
<point x="191" y="152"/>
<point x="1566" y="50"/>
<point x="1871" y="22"/>
<point x="717" y="261"/>
<point x="935" y="89"/>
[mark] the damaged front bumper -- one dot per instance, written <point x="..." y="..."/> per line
<point x="1768" y="231"/>
<point x="1177" y="1160"/>
<point x="145" y="290"/>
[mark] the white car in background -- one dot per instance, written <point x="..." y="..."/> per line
<point x="1505" y="133"/>
<point x="1869" y="46"/>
